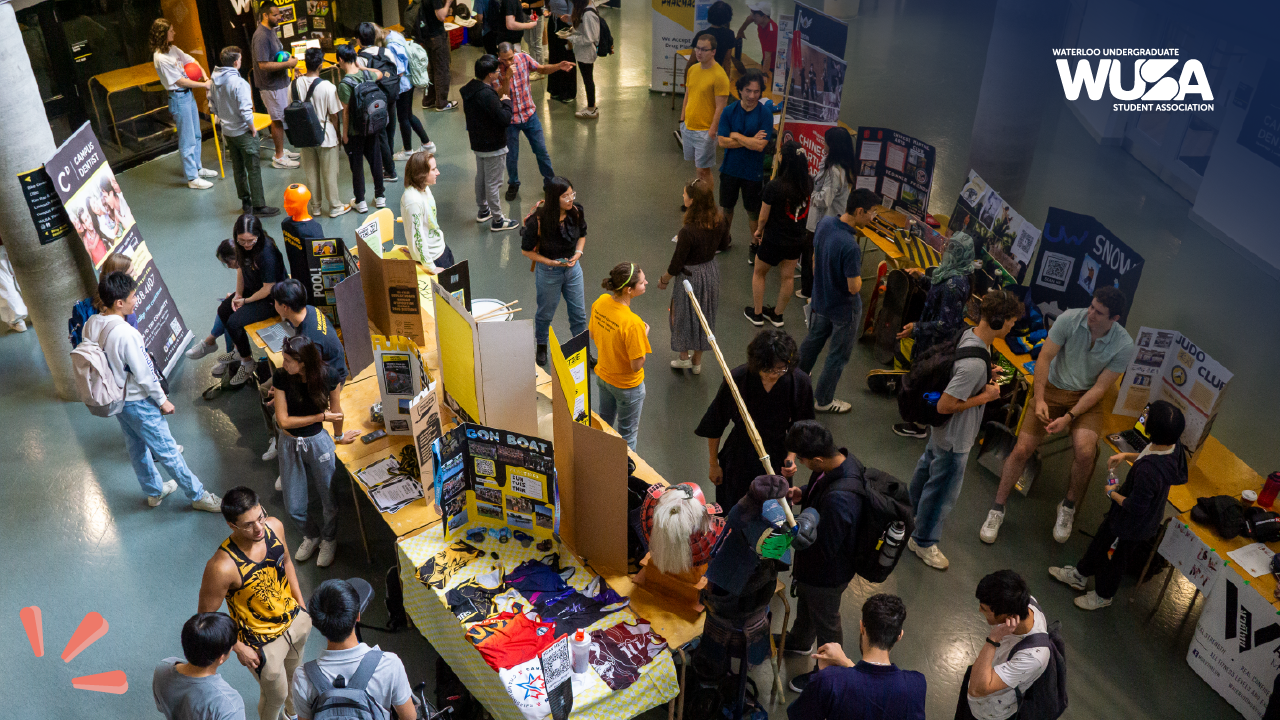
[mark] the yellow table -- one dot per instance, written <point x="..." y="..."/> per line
<point x="115" y="81"/>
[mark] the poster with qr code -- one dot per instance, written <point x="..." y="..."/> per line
<point x="1055" y="270"/>
<point x="484" y="470"/>
<point x="1078" y="256"/>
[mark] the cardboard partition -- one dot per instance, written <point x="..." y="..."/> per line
<point x="455" y="341"/>
<point x="390" y="283"/>
<point x="401" y="377"/>
<point x="570" y="363"/>
<point x="354" y="321"/>
<point x="424" y="424"/>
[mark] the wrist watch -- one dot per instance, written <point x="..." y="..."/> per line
<point x="994" y="644"/>
<point x="1072" y="414"/>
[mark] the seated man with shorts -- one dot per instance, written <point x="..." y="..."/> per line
<point x="1086" y="351"/>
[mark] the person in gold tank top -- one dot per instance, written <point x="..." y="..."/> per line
<point x="253" y="572"/>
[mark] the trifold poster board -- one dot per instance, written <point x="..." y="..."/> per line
<point x="674" y="23"/>
<point x="1079" y="255"/>
<point x="1235" y="644"/>
<point x="486" y="367"/>
<point x="354" y="321"/>
<point x="390" y="283"/>
<point x="1168" y="366"/>
<point x="591" y="469"/>
<point x="570" y="363"/>
<point x="402" y="375"/>
<point x="496" y="478"/>
<point x="896" y="166"/>
<point x="815" y="75"/>
<point x="424" y="423"/>
<point x="1002" y="235"/>
<point x="319" y="264"/>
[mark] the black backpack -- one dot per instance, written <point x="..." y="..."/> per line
<point x="1046" y="699"/>
<point x="885" y="501"/>
<point x="390" y="81"/>
<point x="928" y="378"/>
<point x="302" y="125"/>
<point x="367" y="107"/>
<point x="604" y="48"/>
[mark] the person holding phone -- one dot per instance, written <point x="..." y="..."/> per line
<point x="553" y="237"/>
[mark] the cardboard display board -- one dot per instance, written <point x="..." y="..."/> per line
<point x="1168" y="366"/>
<point x="319" y="264"/>
<point x="401" y="376"/>
<point x="1079" y="255"/>
<point x="495" y="478"/>
<point x="1004" y="239"/>
<point x="815" y="75"/>
<point x="1235" y="644"/>
<point x="455" y="339"/>
<point x="390" y="284"/>
<point x="424" y="425"/>
<point x="354" y="321"/>
<point x="898" y="167"/>
<point x="570" y="363"/>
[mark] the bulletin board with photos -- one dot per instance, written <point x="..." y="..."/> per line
<point x="897" y="166"/>
<point x="496" y="478"/>
<point x="1167" y="366"/>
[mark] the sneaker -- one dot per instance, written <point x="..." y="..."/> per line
<point x="536" y="76"/>
<point x="224" y="361"/>
<point x="361" y="207"/>
<point x="206" y="173"/>
<point x="243" y="374"/>
<point x="208" y="503"/>
<point x="18" y="325"/>
<point x="180" y="448"/>
<point x="391" y="178"/>
<point x="327" y="550"/>
<point x="800" y="682"/>
<point x="451" y="105"/>
<point x="306" y="549"/>
<point x="991" y="528"/>
<point x="541" y="355"/>
<point x="1069" y="575"/>
<point x="292" y="155"/>
<point x="340" y="211"/>
<point x="679" y="364"/>
<point x="756" y="318"/>
<point x="835" y="406"/>
<point x="587" y="113"/>
<point x="284" y="162"/>
<point x="246" y="208"/>
<point x="773" y="316"/>
<point x="379" y="202"/>
<point x="1062" y="528"/>
<point x="279" y="484"/>
<point x="199" y="184"/>
<point x="401" y="156"/>
<point x="790" y="649"/>
<point x="910" y="430"/>
<point x="931" y="555"/>
<point x="800" y="294"/>
<point x="505" y="225"/>
<point x="168" y="487"/>
<point x="199" y="350"/>
<point x="266" y="211"/>
<point x="1091" y="601"/>
<point x="430" y="147"/>
<point x="697" y="369"/>
<point x="270" y="455"/>
<point x="513" y="190"/>
<point x="483" y="216"/>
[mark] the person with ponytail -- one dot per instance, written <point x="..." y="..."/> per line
<point x="553" y="237"/>
<point x="259" y="266"/>
<point x="705" y="233"/>
<point x="306" y="450"/>
<point x="780" y="233"/>
<point x="622" y="342"/>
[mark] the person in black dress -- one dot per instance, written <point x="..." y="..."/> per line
<point x="776" y="394"/>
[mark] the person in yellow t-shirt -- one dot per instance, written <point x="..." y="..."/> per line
<point x="706" y="92"/>
<point x="622" y="340"/>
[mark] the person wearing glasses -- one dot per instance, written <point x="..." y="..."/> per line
<point x="777" y="395"/>
<point x="553" y="238"/>
<point x="705" y="96"/>
<point x="252" y="571"/>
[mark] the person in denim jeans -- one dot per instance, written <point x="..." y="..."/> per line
<point x="516" y="67"/>
<point x="170" y="63"/>
<point x="622" y="340"/>
<point x="146" y="432"/>
<point x="553" y="237"/>
<point x="940" y="472"/>
<point x="836" y="307"/>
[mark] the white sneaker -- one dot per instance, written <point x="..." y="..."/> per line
<point x="1069" y="575"/>
<point x="1091" y="601"/>
<point x="835" y="406"/>
<point x="292" y="155"/>
<point x="361" y="207"/>
<point x="931" y="555"/>
<point x="697" y="369"/>
<point x="199" y="184"/>
<point x="18" y="325"/>
<point x="679" y="364"/>
<point x="306" y="549"/>
<point x="340" y="211"/>
<point x="428" y="148"/>
<point x="401" y="156"/>
<point x="587" y="113"/>
<point x="209" y="503"/>
<point x="327" y="549"/>
<point x="206" y="172"/>
<point x="1062" y="528"/>
<point x="270" y="455"/>
<point x="243" y="374"/>
<point x="168" y="487"/>
<point x="991" y="528"/>
<point x="223" y="362"/>
<point x="279" y="485"/>
<point x="284" y="162"/>
<point x="379" y="202"/>
<point x="199" y="350"/>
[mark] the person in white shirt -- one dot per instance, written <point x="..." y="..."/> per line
<point x="12" y="309"/>
<point x="335" y="608"/>
<point x="171" y="64"/>
<point x="1013" y="614"/>
<point x="321" y="163"/>
<point x="145" y="403"/>
<point x="418" y="213"/>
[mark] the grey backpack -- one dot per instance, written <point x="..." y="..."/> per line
<point x="344" y="699"/>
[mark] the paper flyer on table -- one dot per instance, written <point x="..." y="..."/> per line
<point x="378" y="473"/>
<point x="1254" y="559"/>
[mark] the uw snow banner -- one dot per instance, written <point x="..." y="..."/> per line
<point x="1236" y="644"/>
<point x="1078" y="254"/>
<point x="815" y="80"/>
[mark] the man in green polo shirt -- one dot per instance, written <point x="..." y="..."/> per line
<point x="1087" y="349"/>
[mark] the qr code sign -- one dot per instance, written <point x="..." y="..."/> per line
<point x="556" y="666"/>
<point x="1055" y="270"/>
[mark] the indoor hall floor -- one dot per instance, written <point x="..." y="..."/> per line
<point x="77" y="535"/>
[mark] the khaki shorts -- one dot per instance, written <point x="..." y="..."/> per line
<point x="275" y="102"/>
<point x="1059" y="402"/>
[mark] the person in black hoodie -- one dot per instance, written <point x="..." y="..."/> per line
<point x="823" y="570"/>
<point x="1137" y="507"/>
<point x="488" y="111"/>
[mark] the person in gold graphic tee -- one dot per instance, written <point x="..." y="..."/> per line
<point x="253" y="572"/>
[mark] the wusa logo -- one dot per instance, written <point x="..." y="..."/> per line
<point x="1149" y="79"/>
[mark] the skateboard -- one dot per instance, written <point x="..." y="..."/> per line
<point x="869" y="322"/>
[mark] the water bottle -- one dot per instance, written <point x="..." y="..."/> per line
<point x="1269" y="491"/>
<point x="580" y="651"/>
<point x="891" y="544"/>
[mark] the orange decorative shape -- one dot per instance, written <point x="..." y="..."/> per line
<point x="92" y="627"/>
<point x="35" y="629"/>
<point x="113" y="682"/>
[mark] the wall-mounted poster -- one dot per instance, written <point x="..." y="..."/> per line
<point x="1005" y="239"/>
<point x="897" y="166"/>
<point x="493" y="477"/>
<point x="1080" y="254"/>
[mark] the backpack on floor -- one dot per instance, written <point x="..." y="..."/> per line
<point x="396" y="615"/>
<point x="1046" y="699"/>
<point x="367" y="107"/>
<point x="419" y="64"/>
<point x="390" y="81"/>
<point x="95" y="381"/>
<point x="604" y="46"/>
<point x="301" y="123"/>
<point x="929" y="376"/>
<point x="885" y="501"/>
<point x="80" y="314"/>
<point x="344" y="699"/>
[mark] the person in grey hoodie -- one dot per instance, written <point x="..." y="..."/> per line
<point x="145" y="402"/>
<point x="232" y="102"/>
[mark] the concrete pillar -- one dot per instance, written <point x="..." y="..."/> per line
<point x="1018" y="82"/>
<point x="53" y="277"/>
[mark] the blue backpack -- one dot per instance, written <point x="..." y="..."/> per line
<point x="80" y="314"/>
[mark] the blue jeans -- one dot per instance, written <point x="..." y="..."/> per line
<point x="934" y="489"/>
<point x="842" y="335"/>
<point x="146" y="429"/>
<point x="307" y="465"/>
<point x="553" y="282"/>
<point x="623" y="406"/>
<point x="220" y="331"/>
<point x="182" y="106"/>
<point x="532" y="129"/>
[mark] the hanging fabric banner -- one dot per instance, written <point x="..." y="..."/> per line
<point x="815" y="77"/>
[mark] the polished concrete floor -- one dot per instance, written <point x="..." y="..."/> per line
<point x="76" y="535"/>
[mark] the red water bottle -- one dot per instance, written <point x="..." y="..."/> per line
<point x="1270" y="490"/>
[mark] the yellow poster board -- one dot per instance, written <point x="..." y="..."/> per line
<point x="455" y="338"/>
<point x="571" y="371"/>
